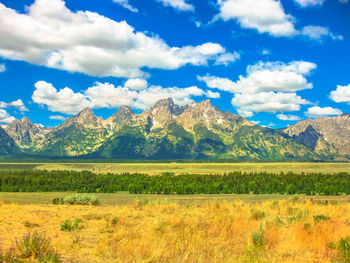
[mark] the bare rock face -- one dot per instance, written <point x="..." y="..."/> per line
<point x="124" y="113"/>
<point x="330" y="134"/>
<point x="86" y="118"/>
<point x="7" y="144"/>
<point x="211" y="117"/>
<point x="162" y="113"/>
<point x="25" y="133"/>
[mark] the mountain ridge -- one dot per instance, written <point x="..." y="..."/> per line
<point x="195" y="131"/>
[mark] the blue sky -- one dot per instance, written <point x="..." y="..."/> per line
<point x="274" y="62"/>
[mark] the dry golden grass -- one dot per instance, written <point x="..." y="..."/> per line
<point x="217" y="231"/>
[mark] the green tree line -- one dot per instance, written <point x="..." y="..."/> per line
<point x="230" y="183"/>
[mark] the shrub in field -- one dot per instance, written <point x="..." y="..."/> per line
<point x="81" y="199"/>
<point x="319" y="218"/>
<point x="257" y="214"/>
<point x="139" y="203"/>
<point x="258" y="238"/>
<point x="68" y="225"/>
<point x="343" y="247"/>
<point x="58" y="201"/>
<point x="31" y="247"/>
<point x="278" y="221"/>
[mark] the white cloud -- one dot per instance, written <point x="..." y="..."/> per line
<point x="306" y="3"/>
<point x="268" y="87"/>
<point x="213" y="95"/>
<point x="5" y="117"/>
<point x="64" y="101"/>
<point x="106" y="95"/>
<point x="319" y="33"/>
<point x="343" y="1"/>
<point x="288" y="117"/>
<point x="249" y="103"/>
<point x="341" y="94"/>
<point x="227" y="58"/>
<point x="57" y="117"/>
<point x="266" y="16"/>
<point x="179" y="5"/>
<point x="50" y="34"/>
<point x="269" y="76"/>
<point x="266" y="52"/>
<point x="255" y="122"/>
<point x="18" y="104"/>
<point x="125" y="4"/>
<point x="137" y="84"/>
<point x="317" y="112"/>
<point x="2" y="68"/>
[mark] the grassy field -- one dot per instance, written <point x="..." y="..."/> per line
<point x="178" y="168"/>
<point x="125" y="198"/>
<point x="269" y="231"/>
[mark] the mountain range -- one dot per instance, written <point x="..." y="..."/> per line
<point x="169" y="131"/>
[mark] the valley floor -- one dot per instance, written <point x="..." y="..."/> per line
<point x="192" y="168"/>
<point x="272" y="229"/>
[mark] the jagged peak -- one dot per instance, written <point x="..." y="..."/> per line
<point x="26" y="120"/>
<point x="86" y="115"/>
<point x="86" y="111"/>
<point x="123" y="113"/>
<point x="123" y="109"/>
<point x="168" y="102"/>
<point x="344" y="115"/>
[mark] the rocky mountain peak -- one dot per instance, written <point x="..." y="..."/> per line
<point x="26" y="121"/>
<point x="123" y="113"/>
<point x="167" y="105"/>
<point x="344" y="116"/>
<point x="86" y="116"/>
<point x="24" y="132"/>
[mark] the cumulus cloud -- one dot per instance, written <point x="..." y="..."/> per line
<point x="249" y="103"/>
<point x="106" y="95"/>
<point x="2" y="68"/>
<point x="317" y="112"/>
<point x="288" y="117"/>
<point x="341" y="94"/>
<point x="179" y="5"/>
<point x="125" y="4"/>
<point x="227" y="58"/>
<point x="137" y="84"/>
<point x="265" y="16"/>
<point x="57" y="117"/>
<point x="268" y="16"/>
<point x="18" y="104"/>
<point x="5" y="118"/>
<point x="64" y="101"/>
<point x="319" y="33"/>
<point x="268" y="87"/>
<point x="213" y="95"/>
<point x="306" y="3"/>
<point x="268" y="76"/>
<point x="52" y="35"/>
